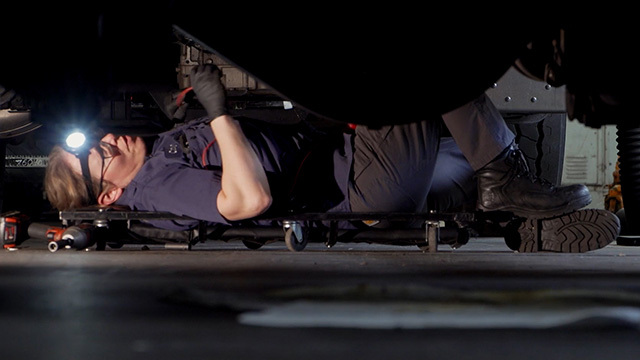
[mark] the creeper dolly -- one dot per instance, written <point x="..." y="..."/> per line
<point x="576" y="232"/>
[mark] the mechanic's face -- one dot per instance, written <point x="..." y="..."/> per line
<point x="118" y="159"/>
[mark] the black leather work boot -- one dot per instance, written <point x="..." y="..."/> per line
<point x="506" y="184"/>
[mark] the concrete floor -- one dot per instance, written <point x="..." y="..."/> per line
<point x="353" y="301"/>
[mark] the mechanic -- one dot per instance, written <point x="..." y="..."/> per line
<point x="225" y="170"/>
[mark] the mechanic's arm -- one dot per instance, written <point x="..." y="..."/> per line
<point x="244" y="190"/>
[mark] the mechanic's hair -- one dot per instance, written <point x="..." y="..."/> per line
<point x="64" y="188"/>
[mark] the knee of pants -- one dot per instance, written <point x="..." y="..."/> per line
<point x="385" y="195"/>
<point x="453" y="182"/>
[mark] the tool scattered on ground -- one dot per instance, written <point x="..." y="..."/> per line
<point x="16" y="227"/>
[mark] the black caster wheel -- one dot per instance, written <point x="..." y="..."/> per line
<point x="294" y="237"/>
<point x="253" y="244"/>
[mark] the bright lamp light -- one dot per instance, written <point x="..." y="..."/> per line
<point x="76" y="140"/>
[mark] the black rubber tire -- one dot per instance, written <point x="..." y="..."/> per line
<point x="542" y="142"/>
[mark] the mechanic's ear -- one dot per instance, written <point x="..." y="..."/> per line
<point x="110" y="196"/>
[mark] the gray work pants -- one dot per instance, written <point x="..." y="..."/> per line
<point x="404" y="168"/>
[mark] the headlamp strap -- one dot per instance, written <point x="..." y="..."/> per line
<point x="84" y="166"/>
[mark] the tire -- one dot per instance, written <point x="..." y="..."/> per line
<point x="542" y="142"/>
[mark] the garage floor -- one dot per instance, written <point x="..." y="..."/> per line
<point x="221" y="300"/>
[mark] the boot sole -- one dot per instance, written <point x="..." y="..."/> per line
<point x="577" y="232"/>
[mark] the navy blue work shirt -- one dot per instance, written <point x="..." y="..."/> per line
<point x="182" y="172"/>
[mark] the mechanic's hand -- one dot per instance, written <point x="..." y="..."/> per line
<point x="205" y="80"/>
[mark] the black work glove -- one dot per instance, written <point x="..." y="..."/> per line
<point x="205" y="80"/>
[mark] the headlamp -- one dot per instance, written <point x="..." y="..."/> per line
<point x="80" y="144"/>
<point x="75" y="141"/>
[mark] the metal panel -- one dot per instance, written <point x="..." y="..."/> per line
<point x="516" y="93"/>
